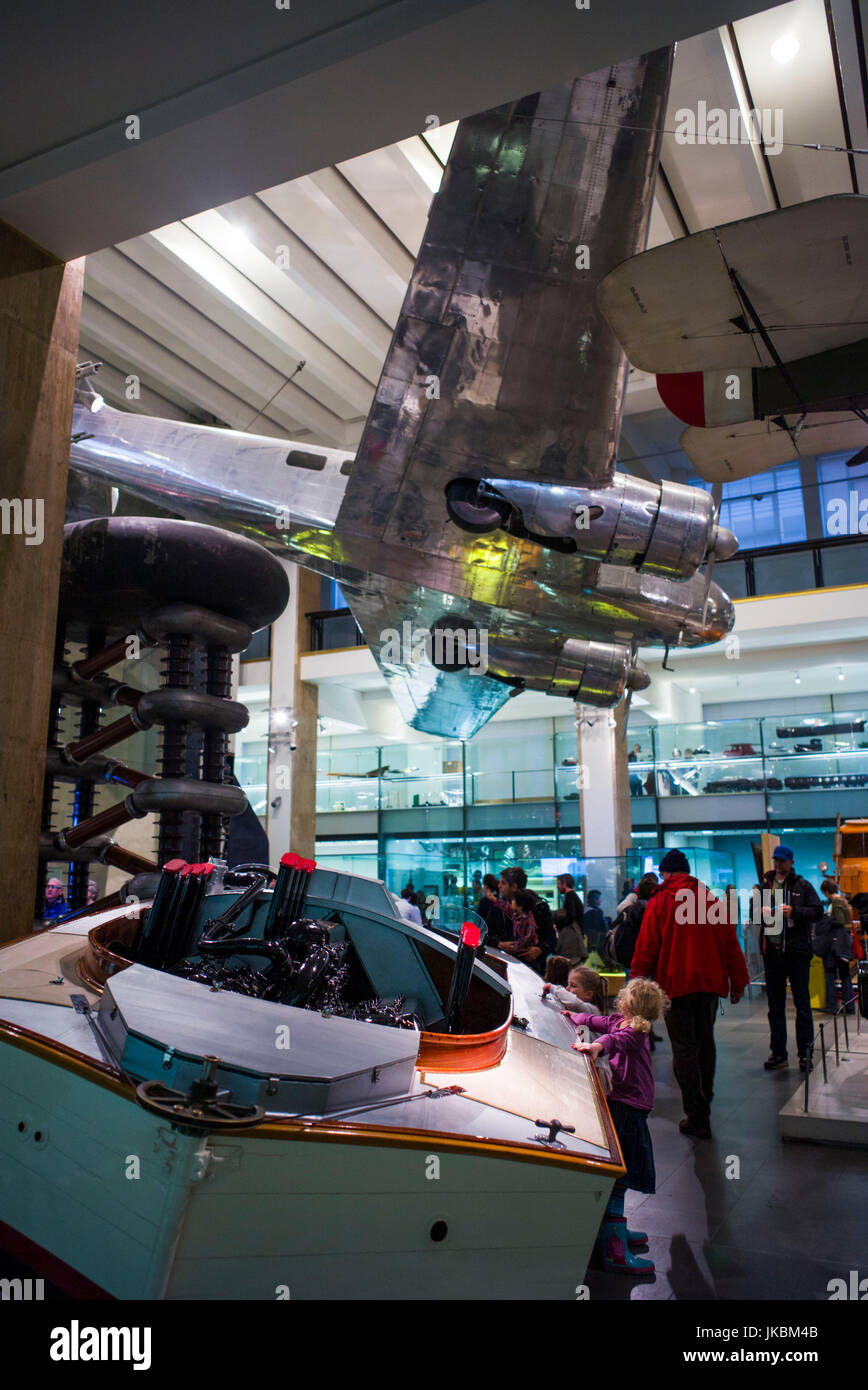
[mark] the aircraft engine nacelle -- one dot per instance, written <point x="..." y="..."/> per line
<point x="661" y="528"/>
<point x="593" y="673"/>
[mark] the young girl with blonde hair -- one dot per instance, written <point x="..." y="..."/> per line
<point x="625" y="1041"/>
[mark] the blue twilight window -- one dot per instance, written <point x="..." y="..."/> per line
<point x="767" y="509"/>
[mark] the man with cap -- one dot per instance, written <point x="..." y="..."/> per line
<point x="688" y="945"/>
<point x="786" y="927"/>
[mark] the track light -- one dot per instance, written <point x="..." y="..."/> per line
<point x="785" y="49"/>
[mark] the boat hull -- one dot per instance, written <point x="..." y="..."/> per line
<point x="146" y="1212"/>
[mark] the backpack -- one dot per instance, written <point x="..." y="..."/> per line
<point x="620" y="942"/>
<point x="545" y="925"/>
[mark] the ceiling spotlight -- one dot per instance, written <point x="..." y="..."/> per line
<point x="691" y="690"/>
<point x="798" y="679"/>
<point x="785" y="49"/>
<point x="97" y="403"/>
<point x="840" y="675"/>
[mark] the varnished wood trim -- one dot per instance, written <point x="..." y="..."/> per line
<point x="463" y="1051"/>
<point x="100" y="1074"/>
<point x="98" y="963"/>
<point x="67" y="1058"/>
<point x="428" y="1140"/>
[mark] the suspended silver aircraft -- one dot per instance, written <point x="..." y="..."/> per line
<point x="482" y="512"/>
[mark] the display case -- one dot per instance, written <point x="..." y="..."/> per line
<point x="812" y="753"/>
<point x="515" y="769"/>
<point x="421" y="774"/>
<point x="433" y="868"/>
<point x="250" y="752"/>
<point x="348" y="856"/>
<point x="347" y="779"/>
<point x="709" y="759"/>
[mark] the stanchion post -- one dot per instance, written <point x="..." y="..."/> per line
<point x="823" y="1051"/>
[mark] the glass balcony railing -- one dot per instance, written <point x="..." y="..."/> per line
<point x="804" y="753"/>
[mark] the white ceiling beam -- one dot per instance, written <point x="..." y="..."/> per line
<point x="251" y="314"/>
<point x="185" y="334"/>
<point x="273" y="303"/>
<point x="294" y="277"/>
<point x="804" y="91"/>
<point x="365" y="256"/>
<point x="111" y="383"/>
<point x="851" y="82"/>
<point x="230" y="297"/>
<point x="114" y="279"/>
<point x="170" y="375"/>
<point x="391" y="185"/>
<point x="360" y="335"/>
<point x="701" y="174"/>
<point x="343" y="196"/>
<point x="755" y="149"/>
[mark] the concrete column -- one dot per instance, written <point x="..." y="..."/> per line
<point x="604" y="781"/>
<point x="292" y="774"/>
<point x="40" y="304"/>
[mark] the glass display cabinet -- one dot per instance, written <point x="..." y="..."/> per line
<point x="347" y="779"/>
<point x="511" y="770"/>
<point x="251" y="749"/>
<point x="640" y="760"/>
<point x="709" y="759"/>
<point x="421" y="774"/>
<point x="811" y="753"/>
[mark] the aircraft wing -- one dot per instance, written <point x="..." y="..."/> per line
<point x="805" y="271"/>
<point x="424" y="635"/>
<point x="501" y="364"/>
<point x="739" y="451"/>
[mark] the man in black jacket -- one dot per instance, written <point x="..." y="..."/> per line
<point x="568" y="922"/>
<point x="786" y="943"/>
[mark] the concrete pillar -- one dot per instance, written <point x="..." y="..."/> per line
<point x="292" y="773"/>
<point x="40" y="304"/>
<point x="604" y="781"/>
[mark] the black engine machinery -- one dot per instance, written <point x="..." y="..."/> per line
<point x="295" y="960"/>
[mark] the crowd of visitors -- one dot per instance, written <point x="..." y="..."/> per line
<point x="678" y="948"/>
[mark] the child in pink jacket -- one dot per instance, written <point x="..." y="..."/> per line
<point x="625" y="1041"/>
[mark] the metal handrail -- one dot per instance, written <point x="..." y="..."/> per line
<point x="841" y="1009"/>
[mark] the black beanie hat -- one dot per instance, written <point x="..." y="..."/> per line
<point x="674" y="861"/>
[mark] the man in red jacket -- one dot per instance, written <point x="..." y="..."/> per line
<point x="687" y="944"/>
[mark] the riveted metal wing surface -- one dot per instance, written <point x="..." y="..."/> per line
<point x="498" y="411"/>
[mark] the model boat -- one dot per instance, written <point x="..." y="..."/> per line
<point x="280" y="1088"/>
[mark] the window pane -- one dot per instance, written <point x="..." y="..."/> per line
<point x="784" y="574"/>
<point x="731" y="576"/>
<point x="766" y="509"/>
<point x="845" y="564"/>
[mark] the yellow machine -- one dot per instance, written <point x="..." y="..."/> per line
<point x="851" y="856"/>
